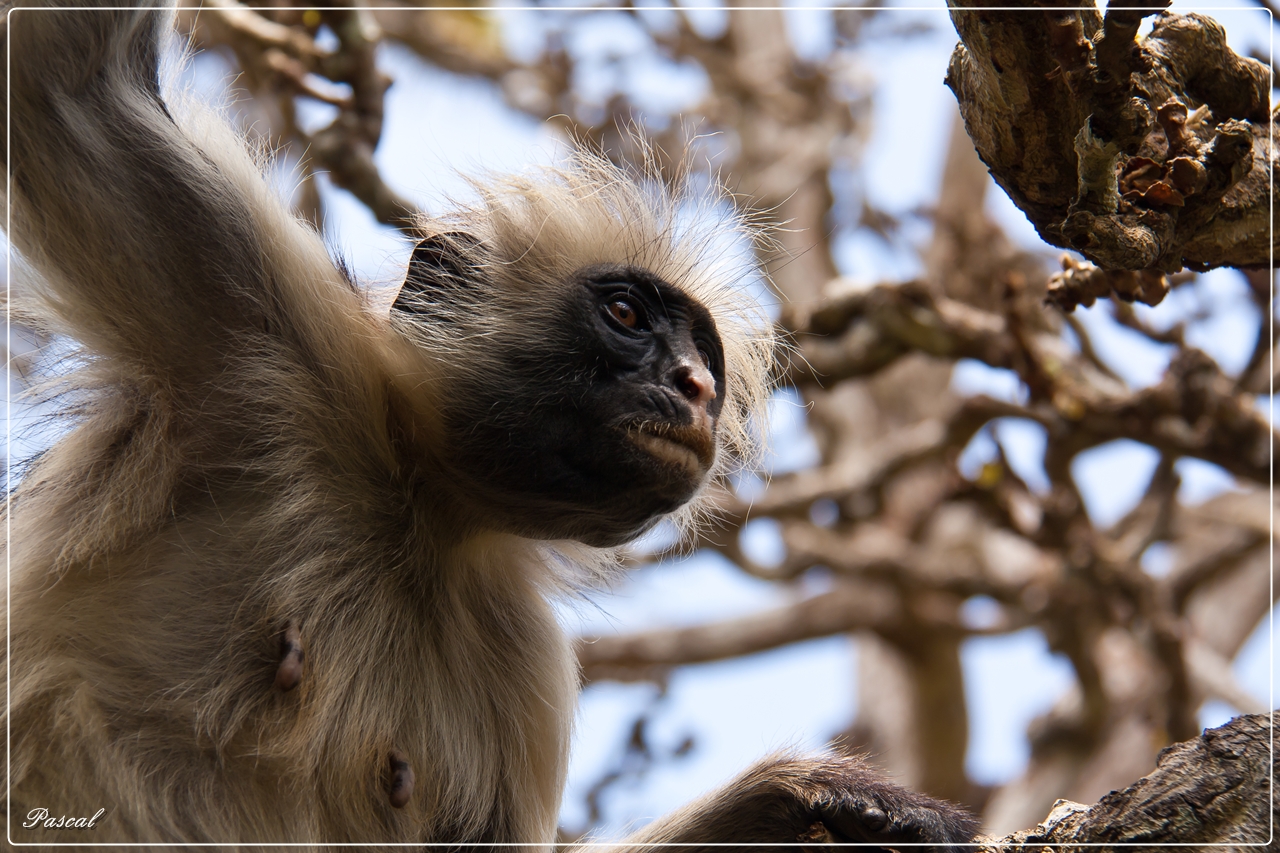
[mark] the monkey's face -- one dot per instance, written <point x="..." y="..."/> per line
<point x="598" y="415"/>
<point x="608" y="420"/>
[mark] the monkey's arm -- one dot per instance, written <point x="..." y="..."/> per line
<point x="154" y="238"/>
<point x="814" y="802"/>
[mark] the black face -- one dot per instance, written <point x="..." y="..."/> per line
<point x="604" y="417"/>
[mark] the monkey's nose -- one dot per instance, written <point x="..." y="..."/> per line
<point x="695" y="383"/>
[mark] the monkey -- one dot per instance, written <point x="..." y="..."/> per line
<point x="287" y="576"/>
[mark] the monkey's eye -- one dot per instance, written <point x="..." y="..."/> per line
<point x="621" y="310"/>
<point x="705" y="356"/>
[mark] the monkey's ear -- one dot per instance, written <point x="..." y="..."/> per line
<point x="441" y="265"/>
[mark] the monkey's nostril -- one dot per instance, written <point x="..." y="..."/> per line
<point x="695" y="384"/>
<point x="688" y="386"/>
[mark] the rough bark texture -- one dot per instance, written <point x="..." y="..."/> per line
<point x="1214" y="790"/>
<point x="1141" y="155"/>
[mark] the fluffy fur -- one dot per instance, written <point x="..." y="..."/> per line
<point x="245" y="595"/>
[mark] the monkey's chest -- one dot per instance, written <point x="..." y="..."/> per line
<point x="459" y="733"/>
<point x="444" y="718"/>
<point x="287" y="683"/>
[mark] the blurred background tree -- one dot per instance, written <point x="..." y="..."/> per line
<point x="1008" y="551"/>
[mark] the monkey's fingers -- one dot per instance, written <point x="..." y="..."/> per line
<point x="865" y="822"/>
<point x="884" y="814"/>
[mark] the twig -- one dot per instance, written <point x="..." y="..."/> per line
<point x="1086" y="346"/>
<point x="1127" y="317"/>
<point x="1081" y="283"/>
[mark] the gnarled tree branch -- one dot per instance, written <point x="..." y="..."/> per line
<point x="1142" y="155"/>
<point x="1211" y="790"/>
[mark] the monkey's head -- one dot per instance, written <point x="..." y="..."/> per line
<point x="599" y="354"/>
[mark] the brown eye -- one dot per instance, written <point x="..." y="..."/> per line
<point x="706" y="358"/>
<point x="622" y="311"/>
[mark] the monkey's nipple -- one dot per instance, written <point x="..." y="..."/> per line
<point x="292" y="656"/>
<point x="400" y="780"/>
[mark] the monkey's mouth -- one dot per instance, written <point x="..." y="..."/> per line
<point x="689" y="447"/>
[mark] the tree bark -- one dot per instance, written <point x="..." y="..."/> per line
<point x="1213" y="790"/>
<point x="1141" y="155"/>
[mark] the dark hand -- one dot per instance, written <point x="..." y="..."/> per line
<point x="855" y="804"/>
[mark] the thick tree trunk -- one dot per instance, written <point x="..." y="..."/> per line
<point x="1213" y="790"/>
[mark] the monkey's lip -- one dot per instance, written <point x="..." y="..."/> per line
<point x="689" y="447"/>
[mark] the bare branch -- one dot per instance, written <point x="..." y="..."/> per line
<point x="645" y="656"/>
<point x="288" y="57"/>
<point x="860" y="332"/>
<point x="245" y="26"/>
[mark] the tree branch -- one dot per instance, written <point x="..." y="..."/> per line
<point x="1214" y="789"/>
<point x="1145" y="155"/>
<point x="641" y="657"/>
